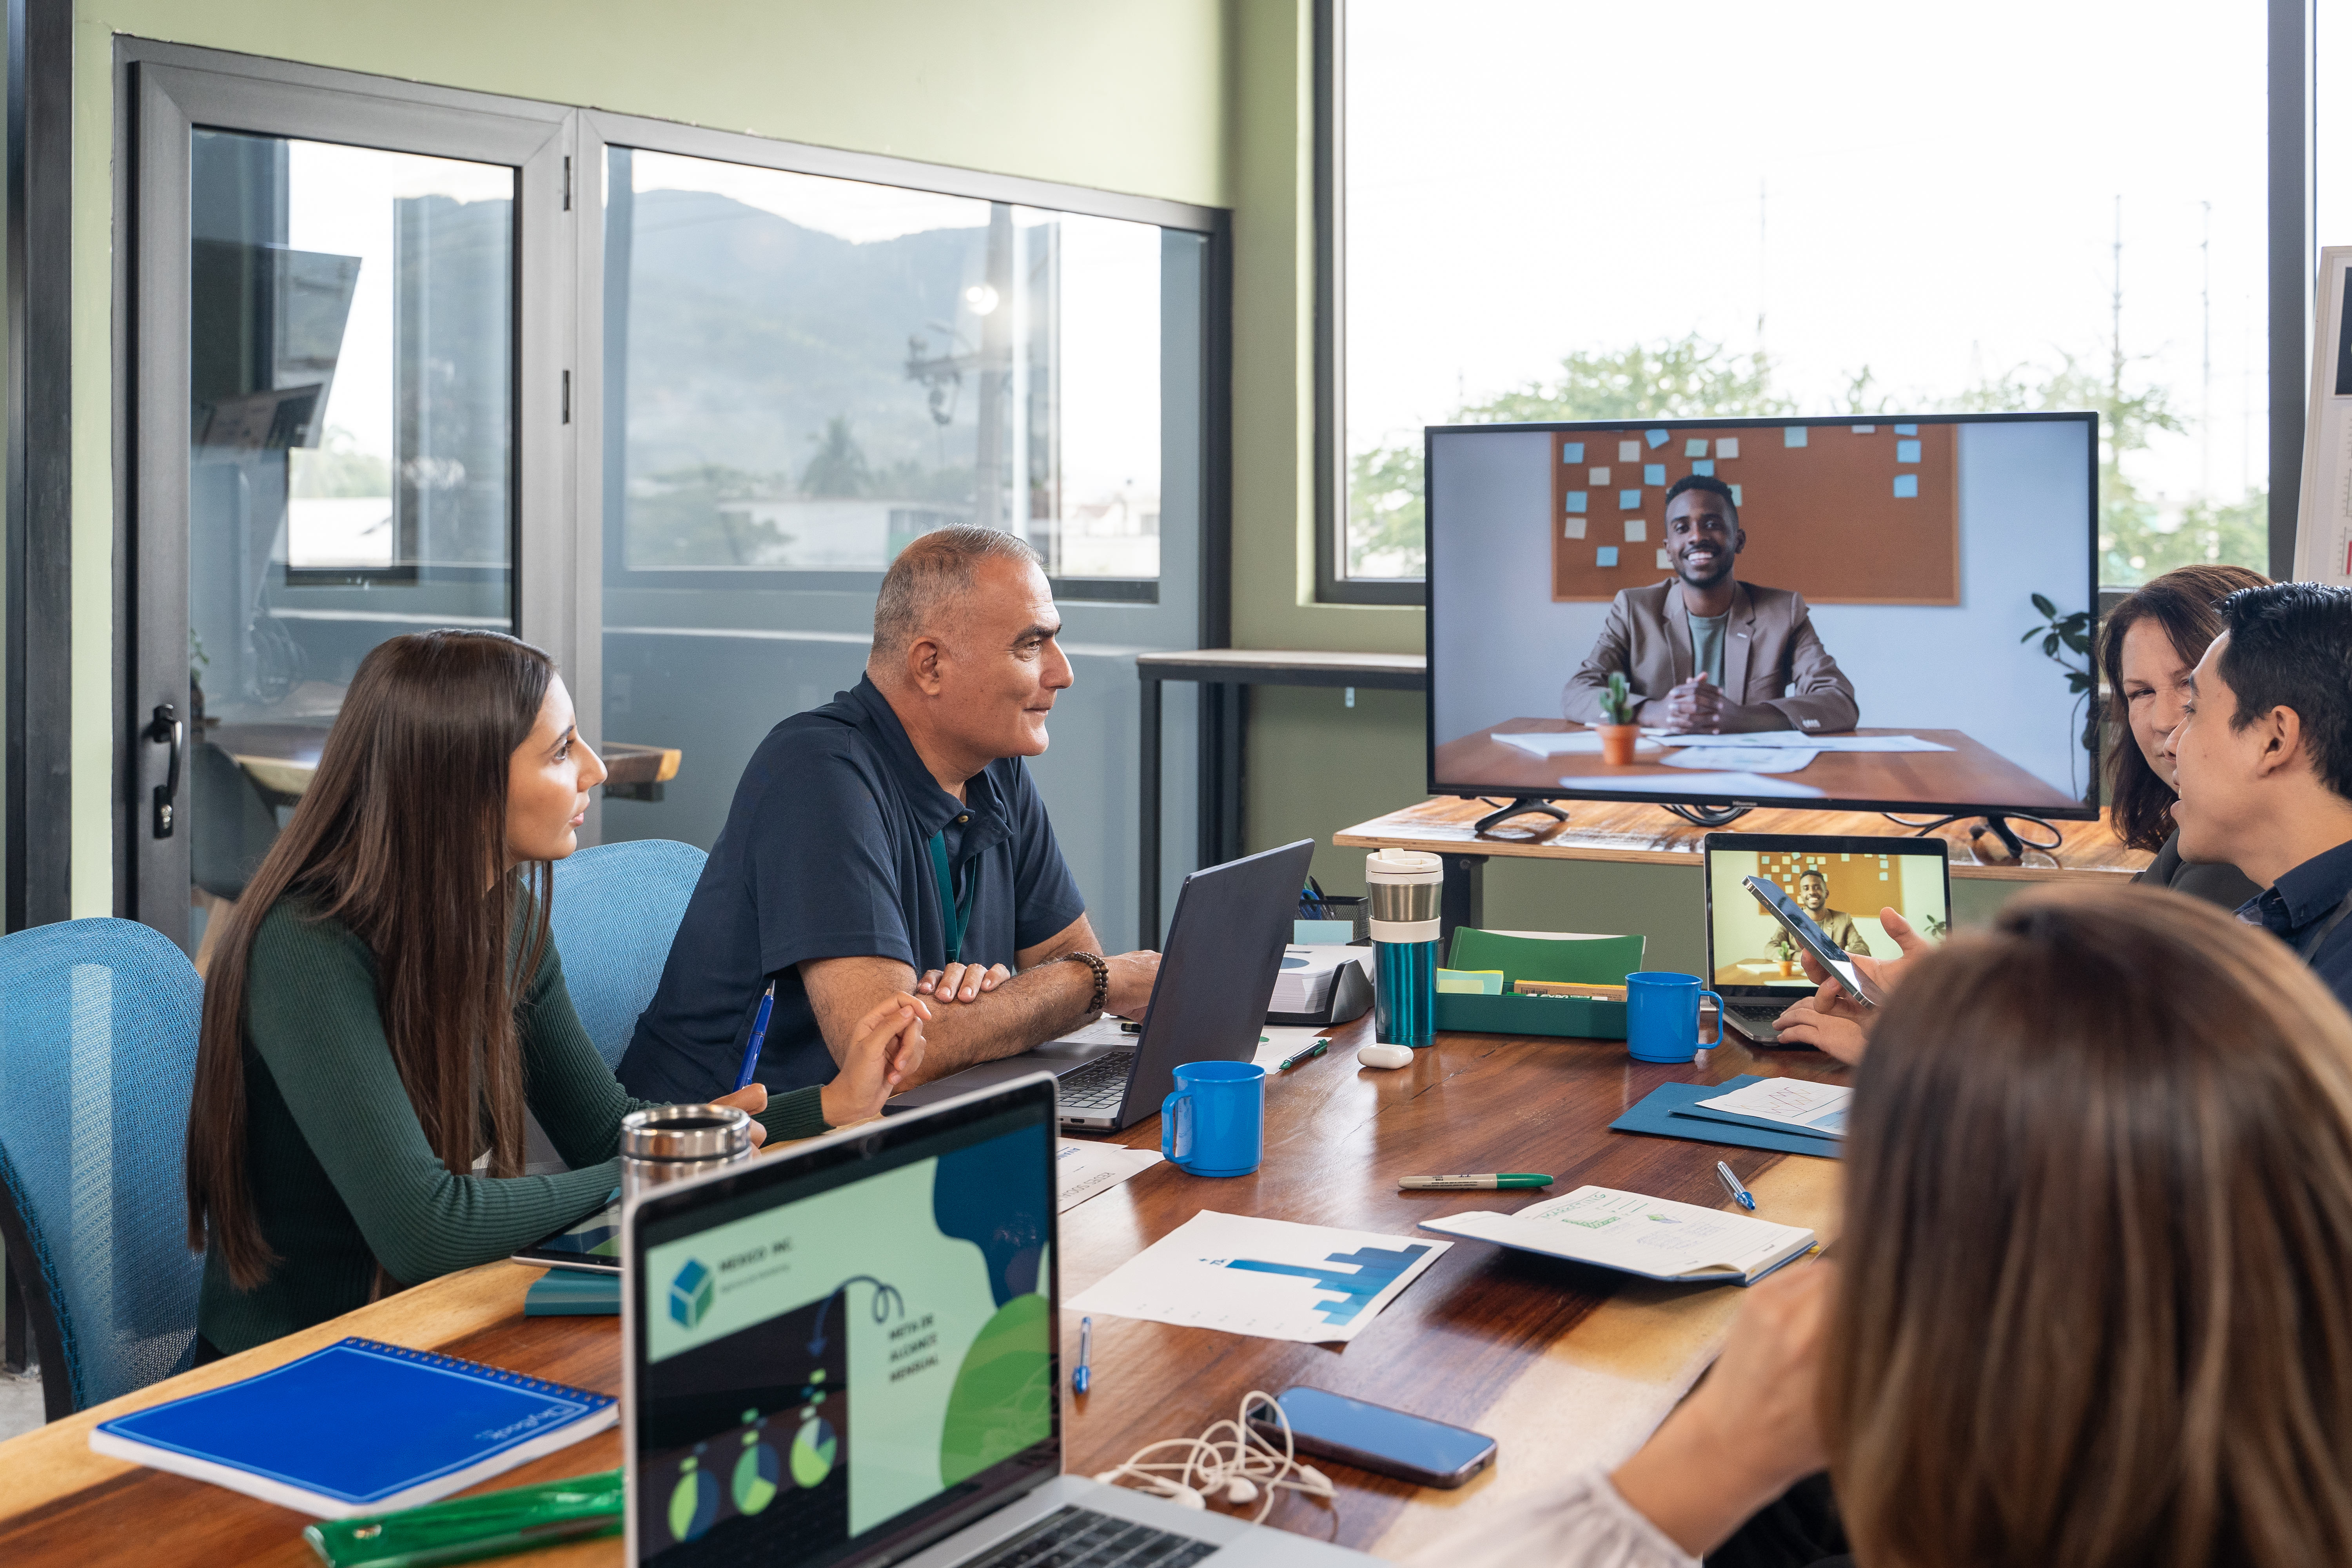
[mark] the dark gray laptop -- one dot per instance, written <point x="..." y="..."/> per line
<point x="848" y="1355"/>
<point x="1224" y="948"/>
<point x="1842" y="882"/>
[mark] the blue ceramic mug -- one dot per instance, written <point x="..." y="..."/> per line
<point x="1661" y="1016"/>
<point x="1214" y="1124"/>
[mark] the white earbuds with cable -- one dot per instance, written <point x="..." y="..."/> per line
<point x="1241" y="1468"/>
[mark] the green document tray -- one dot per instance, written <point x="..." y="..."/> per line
<point x="1586" y="961"/>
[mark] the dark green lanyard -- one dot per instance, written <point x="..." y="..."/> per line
<point x="954" y="913"/>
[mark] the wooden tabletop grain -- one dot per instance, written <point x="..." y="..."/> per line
<point x="1633" y="831"/>
<point x="1565" y="1365"/>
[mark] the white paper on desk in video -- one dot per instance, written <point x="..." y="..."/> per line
<point x="1737" y="785"/>
<point x="1564" y="742"/>
<point x="1815" y="1106"/>
<point x="1263" y="1276"/>
<point x="1748" y="759"/>
<point x="1083" y="1169"/>
<point x="1798" y="740"/>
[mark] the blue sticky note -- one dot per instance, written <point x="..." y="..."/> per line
<point x="1655" y="438"/>
<point x="1572" y="451"/>
<point x="1906" y="487"/>
<point x="1605" y="556"/>
<point x="1793" y="435"/>
<point x="1653" y="473"/>
<point x="1704" y="466"/>
<point x="1735" y="497"/>
<point x="1576" y="500"/>
<point x="1694" y="448"/>
<point x="1906" y="452"/>
<point x="1906" y="430"/>
<point x="1628" y="500"/>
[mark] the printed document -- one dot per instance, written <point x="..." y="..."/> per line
<point x="1265" y="1277"/>
<point x="1645" y="1235"/>
<point x="1793" y="1101"/>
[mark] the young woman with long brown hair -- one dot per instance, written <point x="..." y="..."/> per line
<point x="2093" y="1299"/>
<point x="386" y="1000"/>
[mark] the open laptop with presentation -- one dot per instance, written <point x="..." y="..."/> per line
<point x="1842" y="882"/>
<point x="1225" y="947"/>
<point x="847" y="1353"/>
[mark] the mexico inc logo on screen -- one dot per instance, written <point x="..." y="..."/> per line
<point x="691" y="1294"/>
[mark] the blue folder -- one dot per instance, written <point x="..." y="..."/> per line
<point x="1663" y="1113"/>
<point x="572" y="1293"/>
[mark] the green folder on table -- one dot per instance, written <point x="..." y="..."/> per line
<point x="1563" y="960"/>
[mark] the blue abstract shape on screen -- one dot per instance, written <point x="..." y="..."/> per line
<point x="1572" y="451"/>
<point x="1906" y="452"/>
<point x="1704" y="466"/>
<point x="1906" y="487"/>
<point x="1906" y="430"/>
<point x="995" y="1195"/>
<point x="1655" y="438"/>
<point x="1605" y="556"/>
<point x="1628" y="500"/>
<point x="1653" y="473"/>
<point x="1576" y="500"/>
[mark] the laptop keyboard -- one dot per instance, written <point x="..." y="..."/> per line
<point x="1097" y="1085"/>
<point x="1758" y="1023"/>
<point x="1081" y="1538"/>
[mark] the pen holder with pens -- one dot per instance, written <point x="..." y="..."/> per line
<point x="1406" y="889"/>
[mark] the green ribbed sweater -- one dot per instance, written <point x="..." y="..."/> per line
<point x="341" y="1176"/>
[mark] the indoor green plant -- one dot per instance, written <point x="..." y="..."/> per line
<point x="1618" y="731"/>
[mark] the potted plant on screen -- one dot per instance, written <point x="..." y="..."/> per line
<point x="1785" y="951"/>
<point x="1618" y="731"/>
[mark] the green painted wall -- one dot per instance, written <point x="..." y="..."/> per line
<point x="1123" y="95"/>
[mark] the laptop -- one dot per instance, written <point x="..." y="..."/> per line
<point x="847" y="1353"/>
<point x="1842" y="882"/>
<point x="1225" y="947"/>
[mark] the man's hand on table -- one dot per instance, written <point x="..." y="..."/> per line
<point x="1834" y="1022"/>
<point x="1698" y="707"/>
<point x="961" y="982"/>
<point x="1132" y="974"/>
<point x="1751" y="1429"/>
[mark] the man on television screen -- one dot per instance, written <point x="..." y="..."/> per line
<point x="1705" y="653"/>
<point x="1813" y="898"/>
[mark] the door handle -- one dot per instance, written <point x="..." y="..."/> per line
<point x="164" y="729"/>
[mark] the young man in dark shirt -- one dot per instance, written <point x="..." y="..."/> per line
<point x="2264" y="757"/>
<point x="893" y="840"/>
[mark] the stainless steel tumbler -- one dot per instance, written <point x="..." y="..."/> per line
<point x="671" y="1143"/>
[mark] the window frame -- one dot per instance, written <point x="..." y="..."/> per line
<point x="2292" y="269"/>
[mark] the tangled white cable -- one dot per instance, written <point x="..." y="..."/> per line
<point x="1238" y="1467"/>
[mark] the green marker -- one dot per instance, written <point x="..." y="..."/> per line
<point x="1474" y="1183"/>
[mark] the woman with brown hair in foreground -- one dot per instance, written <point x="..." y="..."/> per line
<point x="386" y="999"/>
<point x="2093" y="1301"/>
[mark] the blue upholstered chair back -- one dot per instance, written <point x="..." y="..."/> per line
<point x="616" y="907"/>
<point x="97" y="1060"/>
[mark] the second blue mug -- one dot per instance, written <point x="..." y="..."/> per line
<point x="1661" y="1016"/>
<point x="1214" y="1124"/>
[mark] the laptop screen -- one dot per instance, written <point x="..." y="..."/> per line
<point x="1843" y="883"/>
<point x="852" y="1349"/>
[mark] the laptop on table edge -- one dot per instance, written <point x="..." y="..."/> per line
<point x="733" y="1334"/>
<point x="1224" y="948"/>
<point x="1754" y="1010"/>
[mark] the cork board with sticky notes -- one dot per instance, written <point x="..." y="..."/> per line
<point x="1845" y="514"/>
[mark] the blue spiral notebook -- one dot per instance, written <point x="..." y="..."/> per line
<point x="357" y="1428"/>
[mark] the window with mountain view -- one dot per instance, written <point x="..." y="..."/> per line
<point x="1576" y="211"/>
<point x="811" y="372"/>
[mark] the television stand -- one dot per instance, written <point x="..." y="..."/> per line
<point x="1708" y="816"/>
<point x="1525" y="806"/>
<point x="1995" y="824"/>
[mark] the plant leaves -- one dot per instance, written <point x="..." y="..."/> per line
<point x="2050" y="643"/>
<point x="2044" y="605"/>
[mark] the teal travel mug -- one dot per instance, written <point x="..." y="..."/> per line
<point x="1406" y="887"/>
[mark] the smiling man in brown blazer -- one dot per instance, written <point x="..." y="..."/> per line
<point x="1706" y="653"/>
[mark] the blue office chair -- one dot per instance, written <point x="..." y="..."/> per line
<point x="98" y="1061"/>
<point x="616" y="907"/>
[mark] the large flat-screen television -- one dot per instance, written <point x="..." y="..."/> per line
<point x="1826" y="613"/>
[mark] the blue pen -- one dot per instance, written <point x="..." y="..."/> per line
<point x="758" y="1037"/>
<point x="1083" y="1373"/>
<point x="1739" y="1194"/>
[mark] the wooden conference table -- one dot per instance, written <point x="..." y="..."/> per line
<point x="1564" y="1365"/>
<point x="1968" y="771"/>
<point x="282" y="758"/>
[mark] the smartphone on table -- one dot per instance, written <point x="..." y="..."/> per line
<point x="1375" y="1437"/>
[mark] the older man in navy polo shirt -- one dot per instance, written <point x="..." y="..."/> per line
<point x="892" y="840"/>
<point x="2264" y="757"/>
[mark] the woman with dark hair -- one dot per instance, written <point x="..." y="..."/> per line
<point x="2151" y="641"/>
<point x="386" y="1000"/>
<point x="2093" y="1297"/>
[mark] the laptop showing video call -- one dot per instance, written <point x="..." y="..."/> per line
<point x="1842" y="882"/>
